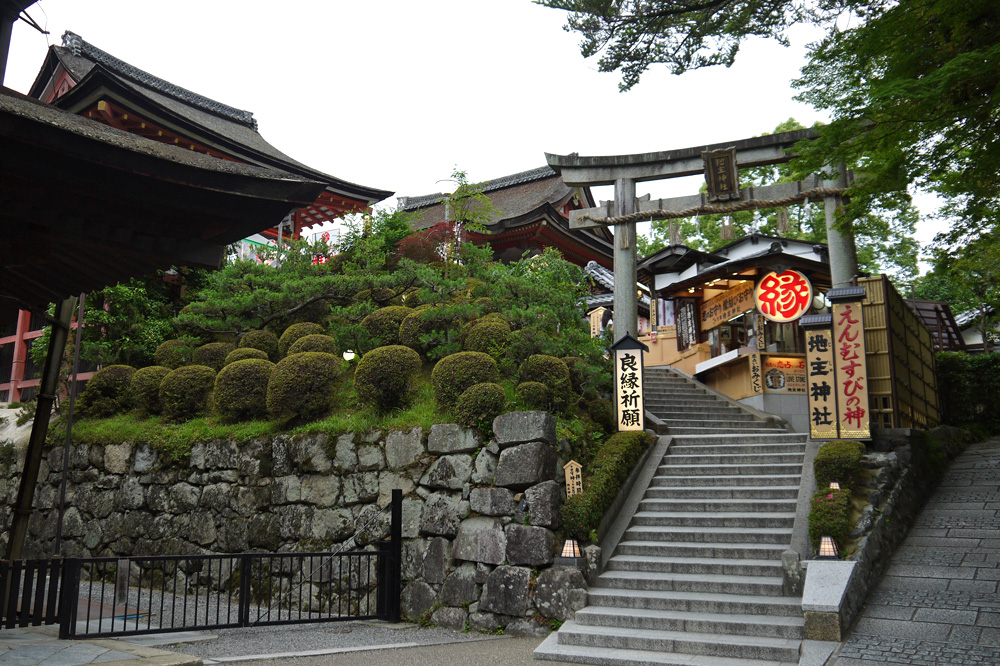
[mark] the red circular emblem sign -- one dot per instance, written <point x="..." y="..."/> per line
<point x="783" y="297"/>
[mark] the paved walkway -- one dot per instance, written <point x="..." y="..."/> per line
<point x="938" y="603"/>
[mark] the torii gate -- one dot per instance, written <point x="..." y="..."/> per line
<point x="624" y="171"/>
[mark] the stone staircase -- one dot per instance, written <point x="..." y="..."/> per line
<point x="696" y="580"/>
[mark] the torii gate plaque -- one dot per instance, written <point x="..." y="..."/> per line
<point x="624" y="171"/>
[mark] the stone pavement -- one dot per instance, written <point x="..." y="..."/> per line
<point x="40" y="646"/>
<point x="938" y="603"/>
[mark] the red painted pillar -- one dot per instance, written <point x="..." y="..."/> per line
<point x="20" y="355"/>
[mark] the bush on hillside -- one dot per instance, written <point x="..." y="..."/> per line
<point x="534" y="396"/>
<point x="241" y="389"/>
<point x="577" y="372"/>
<point x="314" y="343"/>
<point x="489" y="337"/>
<point x="521" y="345"/>
<point x="185" y="392"/>
<point x="453" y="374"/>
<point x="145" y="388"/>
<point x="969" y="389"/>
<point x="266" y="341"/>
<point x="830" y="515"/>
<point x="602" y="412"/>
<point x="243" y="353"/>
<point x="383" y="325"/>
<point x="212" y="355"/>
<point x="602" y="479"/>
<point x="552" y="372"/>
<point x="419" y="323"/>
<point x="386" y="376"/>
<point x="302" y="385"/>
<point x="479" y="405"/>
<point x="107" y="392"/>
<point x="838" y="461"/>
<point x="294" y="332"/>
<point x="174" y="353"/>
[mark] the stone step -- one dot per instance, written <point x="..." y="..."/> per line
<point x="731" y="414"/>
<point x="737" y="448"/>
<point x="718" y="645"/>
<point x="774" y="438"/>
<point x="723" y="623"/>
<point x="551" y="650"/>
<point x="717" y="534"/>
<point x="664" y="549"/>
<point x="699" y="602"/>
<point x="678" y="582"/>
<point x="734" y="430"/>
<point x="726" y="480"/>
<point x="693" y="402"/>
<point x="658" y="505"/>
<point x="695" y="565"/>
<point x="723" y="492"/>
<point x="749" y="469"/>
<point x="751" y="457"/>
<point x="735" y="519"/>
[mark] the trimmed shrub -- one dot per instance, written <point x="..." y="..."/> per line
<point x="486" y="305"/>
<point x="830" y="515"/>
<point x="294" y="332"/>
<point x="603" y="478"/>
<point x="174" y="353"/>
<point x="479" y="405"/>
<point x="534" y="395"/>
<point x="552" y="372"/>
<point x="212" y="355"/>
<point x="378" y="296"/>
<point x="185" y="392"/>
<point x="146" y="388"/>
<point x="602" y="413"/>
<point x="241" y="389"/>
<point x="266" y="341"/>
<point x="314" y="343"/>
<point x="383" y="325"/>
<point x="422" y="321"/>
<point x="243" y="353"/>
<point x="107" y="392"/>
<point x="386" y="376"/>
<point x="453" y="374"/>
<point x="489" y="337"/>
<point x="302" y="385"/>
<point x="838" y="461"/>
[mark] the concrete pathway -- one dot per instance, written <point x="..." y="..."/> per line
<point x="40" y="646"/>
<point x="938" y="603"/>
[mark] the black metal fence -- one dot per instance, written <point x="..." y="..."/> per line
<point x="100" y="597"/>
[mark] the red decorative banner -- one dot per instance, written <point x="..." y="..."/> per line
<point x="784" y="297"/>
<point x="822" y="383"/>
<point x="852" y="371"/>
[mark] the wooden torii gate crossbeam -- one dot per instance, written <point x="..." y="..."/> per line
<point x="624" y="171"/>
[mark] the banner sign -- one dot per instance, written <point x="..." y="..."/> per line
<point x="784" y="297"/>
<point x="722" y="175"/>
<point x="628" y="382"/>
<point x="785" y="374"/>
<point x="821" y="383"/>
<point x="727" y="305"/>
<point x="852" y="370"/>
<point x="756" y="378"/>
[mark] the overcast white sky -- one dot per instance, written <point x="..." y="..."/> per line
<point x="395" y="94"/>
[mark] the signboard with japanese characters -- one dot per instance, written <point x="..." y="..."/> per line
<point x="821" y="380"/>
<point x="574" y="478"/>
<point x="687" y="330"/>
<point x="784" y="297"/>
<point x="722" y="176"/>
<point x="727" y="305"/>
<point x="596" y="318"/>
<point x="628" y="382"/>
<point x="785" y="374"/>
<point x="756" y="376"/>
<point x="758" y="331"/>
<point x="852" y="371"/>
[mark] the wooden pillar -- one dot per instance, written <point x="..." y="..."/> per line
<point x="843" y="251"/>
<point x="626" y="315"/>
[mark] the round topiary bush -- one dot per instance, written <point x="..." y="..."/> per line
<point x="383" y="325"/>
<point x="534" y="395"/>
<point x="420" y="322"/>
<point x="107" y="392"/>
<point x="485" y="304"/>
<point x="241" y="389"/>
<point x="386" y="376"/>
<point x="185" y="392"/>
<point x="314" y="343"/>
<point x="212" y="355"/>
<point x="552" y="372"/>
<point x="266" y="341"/>
<point x="294" y="332"/>
<point x="453" y="374"/>
<point x="302" y="385"/>
<point x="479" y="405"/>
<point x="489" y="337"/>
<point x="146" y="388"/>
<point x="840" y="461"/>
<point x="243" y="353"/>
<point x="174" y="353"/>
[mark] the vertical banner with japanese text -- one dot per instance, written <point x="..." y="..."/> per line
<point x="852" y="370"/>
<point x="821" y="385"/>
<point x="756" y="374"/>
<point x="629" y="405"/>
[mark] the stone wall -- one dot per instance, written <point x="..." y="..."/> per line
<point x="480" y="519"/>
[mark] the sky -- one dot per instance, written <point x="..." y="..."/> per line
<point x="397" y="94"/>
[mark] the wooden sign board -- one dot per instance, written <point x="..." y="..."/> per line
<point x="574" y="478"/>
<point x="722" y="176"/>
<point x="852" y="371"/>
<point x="820" y="377"/>
<point x="727" y="305"/>
<point x="785" y="374"/>
<point x="596" y="317"/>
<point x="756" y="375"/>
<point x="628" y="388"/>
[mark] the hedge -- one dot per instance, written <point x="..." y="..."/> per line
<point x="453" y="374"/>
<point x="212" y="355"/>
<point x="830" y="515"/>
<point x="146" y="388"/>
<point x="302" y="385"/>
<point x="241" y="389"/>
<point x="266" y="341"/>
<point x="294" y="332"/>
<point x="173" y="353"/>
<point x="185" y="392"/>
<point x="479" y="405"/>
<point x="108" y="392"/>
<point x="386" y="376"/>
<point x="603" y="478"/>
<point x="314" y="343"/>
<point x="243" y="353"/>
<point x="839" y="461"/>
<point x="383" y="325"/>
<point x="969" y="390"/>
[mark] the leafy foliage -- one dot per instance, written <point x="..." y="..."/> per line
<point x="479" y="405"/>
<point x="145" y="388"/>
<point x="241" y="389"/>
<point x="294" y="332"/>
<point x="839" y="461"/>
<point x="386" y="376"/>
<point x="244" y="353"/>
<point x="489" y="337"/>
<point x="830" y="515"/>
<point x="534" y="395"/>
<point x="185" y="392"/>
<point x="969" y="386"/>
<point x="107" y="392"/>
<point x="383" y="325"/>
<point x="265" y="341"/>
<point x="314" y="343"/>
<point x="453" y="374"/>
<point x="174" y="353"/>
<point x="302" y="385"/>
<point x="212" y="354"/>
<point x="554" y="374"/>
